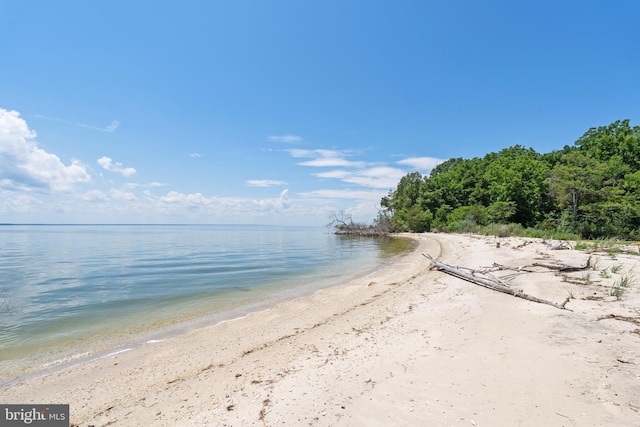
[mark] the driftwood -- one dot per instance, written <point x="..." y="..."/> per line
<point x="494" y="283"/>
<point x="559" y="246"/>
<point x="565" y="268"/>
<point x="634" y="320"/>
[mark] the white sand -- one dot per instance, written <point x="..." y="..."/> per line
<point x="405" y="346"/>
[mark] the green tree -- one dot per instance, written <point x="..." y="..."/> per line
<point x="501" y="212"/>
<point x="592" y="187"/>
<point x="616" y="139"/>
<point x="518" y="175"/>
<point x="575" y="181"/>
<point x="405" y="205"/>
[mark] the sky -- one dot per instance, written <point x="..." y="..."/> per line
<point x="288" y="111"/>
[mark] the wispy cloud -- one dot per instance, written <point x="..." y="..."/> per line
<point x="122" y="195"/>
<point x="375" y="177"/>
<point x="326" y="158"/>
<point x="116" y="167"/>
<point x="374" y="196"/>
<point x="175" y="200"/>
<point x="93" y="196"/>
<point x="287" y="138"/>
<point x="421" y="163"/>
<point x="195" y="155"/>
<point x="264" y="183"/>
<point x="115" y="124"/>
<point x="334" y="174"/>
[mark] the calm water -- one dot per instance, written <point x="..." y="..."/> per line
<point x="69" y="290"/>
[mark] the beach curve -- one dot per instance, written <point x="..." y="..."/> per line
<point x="402" y="346"/>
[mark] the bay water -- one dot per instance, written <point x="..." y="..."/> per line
<point x="72" y="291"/>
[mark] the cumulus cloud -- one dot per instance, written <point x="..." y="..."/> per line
<point x="284" y="198"/>
<point x="21" y="203"/>
<point x="287" y="138"/>
<point x="421" y="163"/>
<point x="116" y="167"/>
<point x="24" y="166"/>
<point x="264" y="183"/>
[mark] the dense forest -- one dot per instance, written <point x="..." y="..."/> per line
<point x="590" y="189"/>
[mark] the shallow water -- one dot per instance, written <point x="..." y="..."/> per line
<point x="77" y="289"/>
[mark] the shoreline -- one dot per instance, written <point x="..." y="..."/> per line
<point x="112" y="342"/>
<point x="96" y="344"/>
<point x="404" y="345"/>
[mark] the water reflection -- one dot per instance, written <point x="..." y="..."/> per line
<point x="388" y="246"/>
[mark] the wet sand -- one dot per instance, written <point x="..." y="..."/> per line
<point x="403" y="346"/>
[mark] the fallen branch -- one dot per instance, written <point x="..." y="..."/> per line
<point x="564" y="268"/>
<point x="491" y="284"/>
<point x="561" y="245"/>
<point x="634" y="320"/>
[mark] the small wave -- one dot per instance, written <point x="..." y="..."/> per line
<point x="64" y="360"/>
<point x="124" y="350"/>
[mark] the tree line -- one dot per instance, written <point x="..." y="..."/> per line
<point x="590" y="189"/>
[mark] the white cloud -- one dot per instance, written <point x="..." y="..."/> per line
<point x="325" y="158"/>
<point x="296" y="152"/>
<point x="376" y="177"/>
<point x="116" y="167"/>
<point x="264" y="183"/>
<point x="113" y="126"/>
<point x="331" y="162"/>
<point x="24" y="166"/>
<point x="284" y="199"/>
<point x="287" y="138"/>
<point x="229" y="207"/>
<point x="177" y="198"/>
<point x="93" y="196"/>
<point x="195" y="155"/>
<point x="345" y="194"/>
<point x="21" y="203"/>
<point x="122" y="195"/>
<point x="421" y="163"/>
<point x="335" y="174"/>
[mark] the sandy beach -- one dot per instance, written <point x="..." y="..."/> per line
<point x="404" y="346"/>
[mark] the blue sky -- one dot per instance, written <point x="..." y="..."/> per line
<point x="281" y="112"/>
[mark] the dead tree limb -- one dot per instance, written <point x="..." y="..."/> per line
<point x="634" y="320"/>
<point x="559" y="246"/>
<point x="491" y="284"/>
<point x="565" y="268"/>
